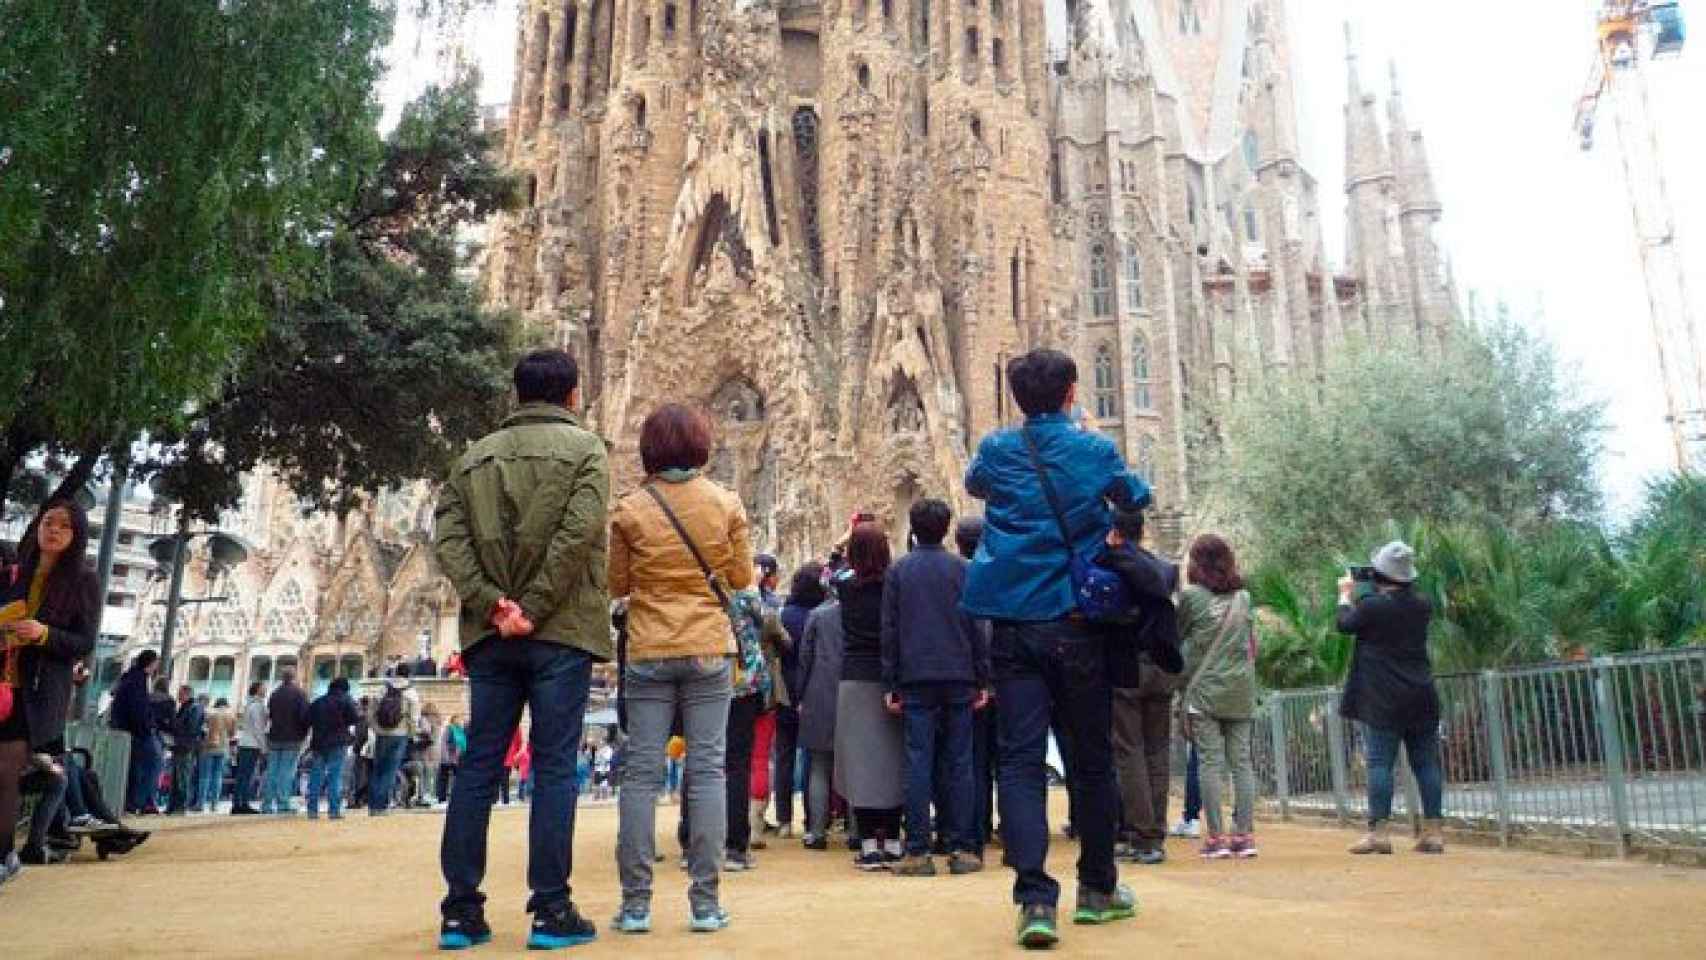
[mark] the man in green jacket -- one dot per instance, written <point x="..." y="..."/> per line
<point x="521" y="533"/>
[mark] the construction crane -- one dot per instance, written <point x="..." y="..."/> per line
<point x="1631" y="35"/>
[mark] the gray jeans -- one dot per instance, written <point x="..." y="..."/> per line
<point x="1220" y="744"/>
<point x="699" y="687"/>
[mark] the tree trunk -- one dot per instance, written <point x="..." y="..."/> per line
<point x="79" y="474"/>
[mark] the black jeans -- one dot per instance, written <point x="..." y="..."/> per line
<point x="784" y="750"/>
<point x="1058" y="668"/>
<point x="505" y="675"/>
<point x="737" y="771"/>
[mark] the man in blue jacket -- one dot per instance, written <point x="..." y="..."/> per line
<point x="936" y="670"/>
<point x="1046" y="659"/>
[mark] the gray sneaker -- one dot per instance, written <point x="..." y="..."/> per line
<point x="709" y="920"/>
<point x="10" y="867"/>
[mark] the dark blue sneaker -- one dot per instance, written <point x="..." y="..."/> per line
<point x="463" y="929"/>
<point x="555" y="928"/>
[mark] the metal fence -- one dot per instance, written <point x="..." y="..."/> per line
<point x="1611" y="752"/>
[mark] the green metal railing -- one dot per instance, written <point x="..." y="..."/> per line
<point x="1610" y="751"/>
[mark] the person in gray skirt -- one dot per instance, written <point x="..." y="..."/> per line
<point x="869" y="750"/>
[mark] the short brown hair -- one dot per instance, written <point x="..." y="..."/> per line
<point x="675" y="437"/>
<point x="868" y="552"/>
<point x="1213" y="566"/>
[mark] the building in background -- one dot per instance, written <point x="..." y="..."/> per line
<point x="833" y="223"/>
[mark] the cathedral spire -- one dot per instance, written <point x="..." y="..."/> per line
<point x="1366" y="155"/>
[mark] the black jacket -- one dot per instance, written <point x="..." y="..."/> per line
<point x="926" y="640"/>
<point x="330" y="719"/>
<point x="862" y="628"/>
<point x="189" y="727"/>
<point x="44" y="672"/>
<point x="1391" y="683"/>
<point x="1150" y="631"/>
<point x="131" y="709"/>
<point x="287" y="716"/>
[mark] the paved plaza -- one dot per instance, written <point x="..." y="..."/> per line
<point x="268" y="887"/>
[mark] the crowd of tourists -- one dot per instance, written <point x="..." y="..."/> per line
<point x="919" y="702"/>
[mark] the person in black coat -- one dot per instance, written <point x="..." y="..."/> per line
<point x="1390" y="689"/>
<point x="330" y="720"/>
<point x="48" y="617"/>
<point x="1143" y="660"/>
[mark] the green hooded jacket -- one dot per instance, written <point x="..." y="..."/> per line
<point x="1226" y="687"/>
<point x="523" y="516"/>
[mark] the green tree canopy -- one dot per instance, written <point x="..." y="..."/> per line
<point x="1489" y="427"/>
<point x="386" y="364"/>
<point x="163" y="168"/>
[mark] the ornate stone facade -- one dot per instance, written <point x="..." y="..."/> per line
<point x="832" y="223"/>
<point x="324" y="597"/>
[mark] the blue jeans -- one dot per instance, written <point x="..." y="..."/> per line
<point x="1057" y="667"/>
<point x="243" y="781"/>
<point x="1422" y="746"/>
<point x="1193" y="784"/>
<point x="281" y="777"/>
<point x="326" y="771"/>
<point x="388" y="755"/>
<point x="212" y="780"/>
<point x="505" y="675"/>
<point x="938" y="727"/>
<point x="144" y="773"/>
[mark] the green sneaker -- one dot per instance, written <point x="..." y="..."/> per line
<point x="1096" y="907"/>
<point x="1036" y="927"/>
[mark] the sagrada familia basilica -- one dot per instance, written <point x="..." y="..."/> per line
<point x="832" y="222"/>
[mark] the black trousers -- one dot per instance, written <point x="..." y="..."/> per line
<point x="785" y="749"/>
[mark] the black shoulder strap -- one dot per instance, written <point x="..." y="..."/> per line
<point x="693" y="548"/>
<point x="1048" y="489"/>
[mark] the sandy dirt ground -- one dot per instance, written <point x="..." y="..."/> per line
<point x="274" y="887"/>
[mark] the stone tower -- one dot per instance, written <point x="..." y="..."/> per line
<point x="832" y="222"/>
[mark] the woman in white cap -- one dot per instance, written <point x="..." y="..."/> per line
<point x="1390" y="689"/>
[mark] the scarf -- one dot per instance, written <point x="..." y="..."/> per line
<point x="14" y="612"/>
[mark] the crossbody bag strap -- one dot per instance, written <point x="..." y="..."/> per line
<point x="1048" y="492"/>
<point x="693" y="548"/>
<point x="1220" y="646"/>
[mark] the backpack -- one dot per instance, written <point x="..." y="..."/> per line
<point x="390" y="712"/>
<point x="751" y="671"/>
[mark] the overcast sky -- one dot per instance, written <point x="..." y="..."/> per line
<point x="1528" y="217"/>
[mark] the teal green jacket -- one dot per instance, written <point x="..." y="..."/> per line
<point x="1225" y="688"/>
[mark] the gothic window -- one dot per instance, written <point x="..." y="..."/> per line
<point x="997" y="55"/>
<point x="1146" y="458"/>
<point x="1191" y="203"/>
<point x="1131" y="223"/>
<point x="1250" y="224"/>
<point x="639" y="112"/>
<point x="805" y="152"/>
<point x="1057" y="189"/>
<point x="769" y="188"/>
<point x="568" y="53"/>
<point x="1142" y="383"/>
<point x="669" y="21"/>
<point x="1133" y="279"/>
<point x="1190" y="18"/>
<point x="995" y="9"/>
<point x="888" y="11"/>
<point x="973" y="45"/>
<point x="1013" y="281"/>
<point x="977" y="129"/>
<point x="1252" y="154"/>
<point x="1101" y="301"/>
<point x="923" y="23"/>
<point x="865" y="76"/>
<point x="643" y="38"/>
<point x="532" y="189"/>
<point x="1107" y="385"/>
